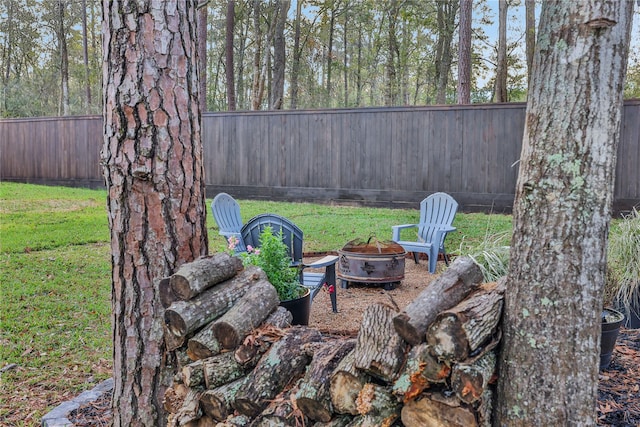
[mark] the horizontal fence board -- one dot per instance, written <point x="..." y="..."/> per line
<point x="389" y="157"/>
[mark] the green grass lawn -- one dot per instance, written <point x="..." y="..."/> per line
<point x="55" y="283"/>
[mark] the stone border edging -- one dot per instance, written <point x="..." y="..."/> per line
<point x="58" y="416"/>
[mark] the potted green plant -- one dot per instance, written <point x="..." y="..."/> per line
<point x="622" y="289"/>
<point x="273" y="258"/>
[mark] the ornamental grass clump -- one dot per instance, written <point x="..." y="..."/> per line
<point x="623" y="262"/>
<point x="273" y="258"/>
<point x="492" y="256"/>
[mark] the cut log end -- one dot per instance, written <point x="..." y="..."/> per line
<point x="180" y="287"/>
<point x="226" y="335"/>
<point x="175" y="323"/>
<point x="314" y="410"/>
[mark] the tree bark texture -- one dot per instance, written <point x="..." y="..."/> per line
<point x="461" y="330"/>
<point x="202" y="56"/>
<point x="446" y="17"/>
<point x="464" y="52"/>
<point x="561" y="215"/>
<point x="277" y="367"/>
<point x="184" y="317"/>
<point x="379" y="350"/>
<point x="500" y="82"/>
<point x="313" y="397"/>
<point x="279" y="56"/>
<point x="153" y="169"/>
<point x="246" y="314"/>
<point x="295" y="66"/>
<point x="228" y="54"/>
<point x="530" y="33"/>
<point x="451" y="287"/>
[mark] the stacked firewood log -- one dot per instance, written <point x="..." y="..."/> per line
<point x="240" y="363"/>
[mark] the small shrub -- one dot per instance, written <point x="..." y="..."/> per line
<point x="273" y="258"/>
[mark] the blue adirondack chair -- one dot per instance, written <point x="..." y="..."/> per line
<point x="226" y="212"/>
<point x="436" y="216"/>
<point x="292" y="237"/>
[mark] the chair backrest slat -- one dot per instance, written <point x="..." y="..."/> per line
<point x="436" y="210"/>
<point x="291" y="234"/>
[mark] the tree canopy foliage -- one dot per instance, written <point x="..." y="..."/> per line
<point x="337" y="54"/>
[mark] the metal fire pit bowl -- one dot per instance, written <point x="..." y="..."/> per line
<point x="371" y="262"/>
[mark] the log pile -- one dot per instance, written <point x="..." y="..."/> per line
<point x="242" y="364"/>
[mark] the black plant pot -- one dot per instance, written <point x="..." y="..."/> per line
<point x="611" y="322"/>
<point x="300" y="308"/>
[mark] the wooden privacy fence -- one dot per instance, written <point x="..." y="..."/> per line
<point x="371" y="156"/>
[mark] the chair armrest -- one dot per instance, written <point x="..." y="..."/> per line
<point x="442" y="232"/>
<point x="323" y="262"/>
<point x="396" y="230"/>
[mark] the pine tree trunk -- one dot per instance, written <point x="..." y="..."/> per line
<point x="464" y="52"/>
<point x="152" y="157"/>
<point x="500" y="83"/>
<point x="549" y="359"/>
<point x="228" y="49"/>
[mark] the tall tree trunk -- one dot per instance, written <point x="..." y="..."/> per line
<point x="257" y="85"/>
<point x="346" y="57"/>
<point x="549" y="359"/>
<point x="85" y="51"/>
<point x="391" y="96"/>
<point x="446" y="16"/>
<point x="230" y="28"/>
<point x="64" y="60"/>
<point x="464" y="52"/>
<point x="297" y="53"/>
<point x="202" y="54"/>
<point x="500" y="83"/>
<point x="279" y="56"/>
<point x="153" y="168"/>
<point x="7" y="52"/>
<point x="530" y="37"/>
<point x="332" y="27"/>
<point x="359" y="67"/>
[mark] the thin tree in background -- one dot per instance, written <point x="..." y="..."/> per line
<point x="391" y="92"/>
<point x="446" y="16"/>
<point x="257" y="87"/>
<point x="279" y="56"/>
<point x="85" y="52"/>
<point x="297" y="53"/>
<point x="61" y="35"/>
<point x="551" y="329"/>
<point x="153" y="169"/>
<point x="464" y="52"/>
<point x="229" y="69"/>
<point x="202" y="53"/>
<point x="500" y="82"/>
<point x="530" y="37"/>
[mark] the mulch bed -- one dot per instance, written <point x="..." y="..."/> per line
<point x="619" y="384"/>
<point x="618" y="390"/>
